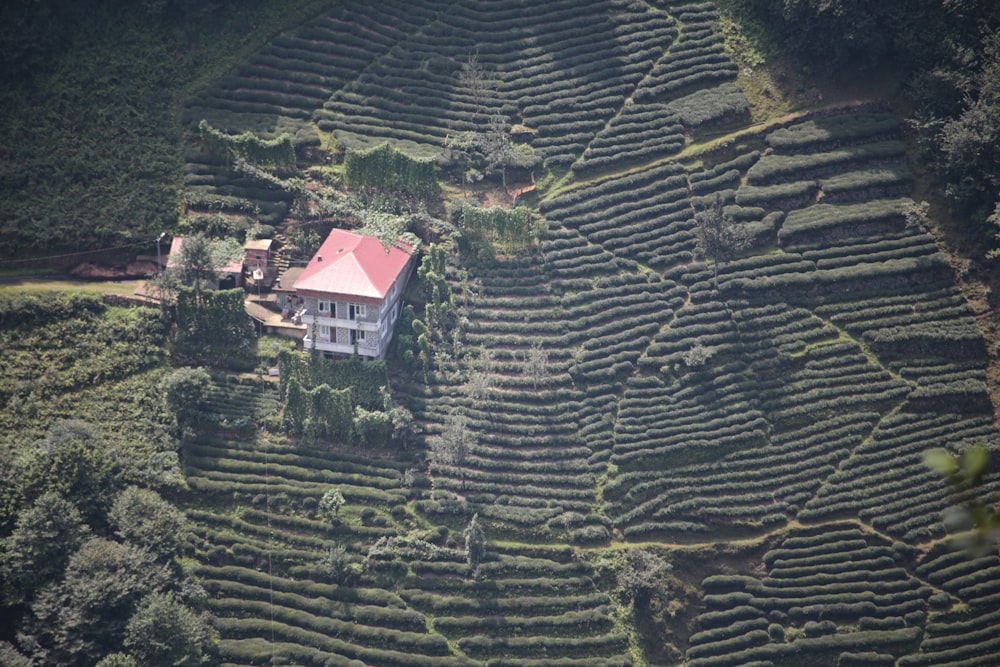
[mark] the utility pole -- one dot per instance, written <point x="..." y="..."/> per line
<point x="159" y="262"/>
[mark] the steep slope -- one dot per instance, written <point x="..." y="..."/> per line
<point x="777" y="404"/>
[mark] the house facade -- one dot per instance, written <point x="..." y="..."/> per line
<point x="351" y="293"/>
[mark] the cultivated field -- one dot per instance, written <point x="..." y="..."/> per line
<point x="764" y="418"/>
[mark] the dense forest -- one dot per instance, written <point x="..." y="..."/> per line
<point x="698" y="366"/>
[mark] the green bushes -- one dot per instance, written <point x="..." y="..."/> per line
<point x="385" y="167"/>
<point x="259" y="152"/>
<point x="512" y="229"/>
<point x="834" y="131"/>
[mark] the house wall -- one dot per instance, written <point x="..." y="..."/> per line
<point x="255" y="258"/>
<point x="377" y="312"/>
<point x="339" y="341"/>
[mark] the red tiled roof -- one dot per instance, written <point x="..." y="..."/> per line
<point x="353" y="265"/>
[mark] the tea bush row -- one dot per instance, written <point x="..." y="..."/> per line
<point x="777" y="167"/>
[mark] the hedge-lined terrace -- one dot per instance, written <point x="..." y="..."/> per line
<point x="886" y="482"/>
<point x="521" y="607"/>
<point x="558" y="83"/>
<point x="695" y="60"/>
<point x="644" y="216"/>
<point x="212" y="187"/>
<point x="260" y="566"/>
<point x="834" y="131"/>
<point x="840" y="589"/>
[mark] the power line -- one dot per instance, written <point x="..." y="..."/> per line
<point x="75" y="254"/>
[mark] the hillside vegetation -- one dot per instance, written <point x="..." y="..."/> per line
<point x="634" y="440"/>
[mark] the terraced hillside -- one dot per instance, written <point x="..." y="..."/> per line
<point x="619" y="387"/>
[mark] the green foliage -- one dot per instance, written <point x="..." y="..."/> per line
<point x="110" y="177"/>
<point x="81" y="618"/>
<point x="475" y="542"/>
<point x="365" y="379"/>
<point x="972" y="517"/>
<point x="452" y="445"/>
<point x="73" y="462"/>
<point x="164" y="631"/>
<point x="11" y="657"/>
<point x="56" y="342"/>
<point x="372" y="428"/>
<point x="509" y="229"/>
<point x="200" y="260"/>
<point x="143" y="518"/>
<point x="37" y="552"/>
<point x="330" y="505"/>
<point x="278" y="152"/>
<point x="213" y="326"/>
<point x="720" y="237"/>
<point x="117" y="660"/>
<point x="641" y="575"/>
<point x="387" y="168"/>
<point x="843" y="34"/>
<point x="318" y="412"/>
<point x="184" y="389"/>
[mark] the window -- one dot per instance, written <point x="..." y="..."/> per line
<point x="357" y="336"/>
<point x="327" y="308"/>
<point x="356" y="311"/>
<point x="324" y="332"/>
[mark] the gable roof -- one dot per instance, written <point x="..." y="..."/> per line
<point x="354" y="265"/>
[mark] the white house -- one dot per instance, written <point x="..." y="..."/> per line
<point x="351" y="292"/>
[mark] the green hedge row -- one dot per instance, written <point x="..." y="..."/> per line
<point x="249" y="628"/>
<point x="613" y="645"/>
<point x="776" y="166"/>
<point x="567" y="624"/>
<point x="833" y="131"/>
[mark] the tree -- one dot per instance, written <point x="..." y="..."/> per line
<point x="477" y="81"/>
<point x="330" y="504"/>
<point x="195" y="266"/>
<point x="497" y="148"/>
<point x="143" y="518"/>
<point x="117" y="660"/>
<point x="697" y="356"/>
<point x="404" y="426"/>
<point x="719" y="237"/>
<point x="641" y="574"/>
<point x="200" y="259"/>
<point x="536" y="363"/>
<point x="164" y="631"/>
<point x="452" y="445"/>
<point x="81" y="618"/>
<point x="11" y="657"/>
<point x="184" y="389"/>
<point x="337" y="564"/>
<point x="73" y="462"/>
<point x="475" y="542"/>
<point x="38" y="550"/>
